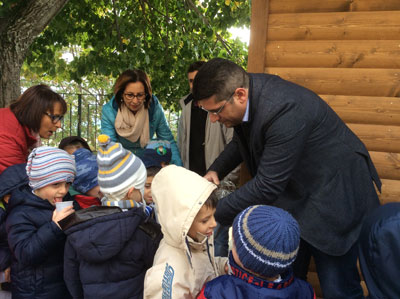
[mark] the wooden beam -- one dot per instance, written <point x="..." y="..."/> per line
<point x="378" y="138"/>
<point x="258" y="36"/>
<point x="381" y="25"/>
<point x="302" y="6"/>
<point x="349" y="81"/>
<point x="390" y="191"/>
<point x="387" y="164"/>
<point x="336" y="53"/>
<point x="366" y="110"/>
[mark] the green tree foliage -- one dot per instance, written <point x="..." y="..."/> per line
<point x="161" y="37"/>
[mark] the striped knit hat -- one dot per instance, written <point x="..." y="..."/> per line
<point x="119" y="170"/>
<point x="266" y="239"/>
<point x="49" y="165"/>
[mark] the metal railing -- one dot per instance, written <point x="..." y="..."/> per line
<point x="83" y="118"/>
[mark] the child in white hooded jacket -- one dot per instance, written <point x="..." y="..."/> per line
<point x="185" y="205"/>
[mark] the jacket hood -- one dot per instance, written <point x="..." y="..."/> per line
<point x="13" y="177"/>
<point x="101" y="238"/>
<point x="178" y="195"/>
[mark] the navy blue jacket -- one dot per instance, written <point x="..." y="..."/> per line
<point x="108" y="256"/>
<point x="380" y="252"/>
<point x="242" y="284"/>
<point x="11" y="178"/>
<point x="303" y="159"/>
<point x="37" y="244"/>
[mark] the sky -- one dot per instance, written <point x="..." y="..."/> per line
<point x="242" y="33"/>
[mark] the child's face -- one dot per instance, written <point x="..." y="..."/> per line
<point x="95" y="192"/>
<point x="134" y="194"/>
<point x="147" y="190"/>
<point x="54" y="192"/>
<point x="203" y="224"/>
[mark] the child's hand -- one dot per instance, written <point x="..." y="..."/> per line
<point x="59" y="215"/>
<point x="7" y="276"/>
<point x="226" y="268"/>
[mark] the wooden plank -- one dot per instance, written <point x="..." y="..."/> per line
<point x="382" y="25"/>
<point x="339" y="81"/>
<point x="302" y="6"/>
<point x="387" y="164"/>
<point x="366" y="110"/>
<point x="337" y="53"/>
<point x="374" y="5"/>
<point x="378" y="138"/>
<point x="258" y="36"/>
<point x="390" y="191"/>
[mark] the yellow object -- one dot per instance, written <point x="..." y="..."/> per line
<point x="103" y="138"/>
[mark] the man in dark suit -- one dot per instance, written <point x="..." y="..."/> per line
<point x="302" y="158"/>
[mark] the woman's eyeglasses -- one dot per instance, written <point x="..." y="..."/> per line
<point x="130" y="96"/>
<point x="54" y="118"/>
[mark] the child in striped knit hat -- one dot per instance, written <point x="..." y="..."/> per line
<point x="265" y="244"/>
<point x="35" y="237"/>
<point x="109" y="248"/>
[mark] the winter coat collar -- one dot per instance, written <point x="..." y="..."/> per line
<point x="250" y="278"/>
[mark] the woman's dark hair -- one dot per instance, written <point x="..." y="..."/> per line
<point x="132" y="76"/>
<point x="37" y="100"/>
<point x="212" y="200"/>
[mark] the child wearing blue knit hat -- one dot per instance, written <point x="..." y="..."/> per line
<point x="265" y="244"/>
<point x="34" y="234"/>
<point x="157" y="154"/>
<point x="86" y="179"/>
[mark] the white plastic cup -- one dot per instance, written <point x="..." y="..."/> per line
<point x="62" y="205"/>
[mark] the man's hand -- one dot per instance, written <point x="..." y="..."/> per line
<point x="212" y="176"/>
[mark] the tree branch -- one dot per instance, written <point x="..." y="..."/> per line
<point x="207" y="23"/>
<point x="121" y="45"/>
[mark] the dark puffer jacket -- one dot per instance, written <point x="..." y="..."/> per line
<point x="379" y="252"/>
<point x="243" y="284"/>
<point x="37" y="244"/>
<point x="107" y="256"/>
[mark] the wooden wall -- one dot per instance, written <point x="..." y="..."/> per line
<point x="348" y="52"/>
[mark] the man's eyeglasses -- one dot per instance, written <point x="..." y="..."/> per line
<point x="219" y="110"/>
<point x="130" y="96"/>
<point x="54" y="118"/>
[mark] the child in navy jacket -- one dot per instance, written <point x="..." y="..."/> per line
<point x="109" y="248"/>
<point x="265" y="244"/>
<point x="34" y="235"/>
<point x="11" y="178"/>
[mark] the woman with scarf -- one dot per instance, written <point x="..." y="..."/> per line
<point x="36" y="114"/>
<point x="134" y="115"/>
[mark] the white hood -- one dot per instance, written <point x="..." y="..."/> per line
<point x="178" y="194"/>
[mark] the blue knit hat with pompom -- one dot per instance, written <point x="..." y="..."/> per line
<point x="266" y="239"/>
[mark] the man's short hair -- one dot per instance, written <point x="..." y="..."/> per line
<point x="195" y="66"/>
<point x="219" y="77"/>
